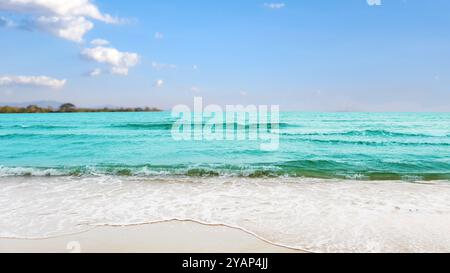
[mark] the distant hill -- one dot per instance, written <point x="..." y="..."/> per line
<point x="42" y="104"/>
<point x="38" y="107"/>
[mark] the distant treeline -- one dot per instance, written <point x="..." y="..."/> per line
<point x="69" y="108"/>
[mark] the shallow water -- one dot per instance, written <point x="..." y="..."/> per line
<point x="376" y="146"/>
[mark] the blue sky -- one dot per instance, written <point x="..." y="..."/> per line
<point x="303" y="55"/>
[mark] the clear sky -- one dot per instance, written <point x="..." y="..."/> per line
<point x="321" y="55"/>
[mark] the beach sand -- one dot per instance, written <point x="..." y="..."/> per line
<point x="165" y="237"/>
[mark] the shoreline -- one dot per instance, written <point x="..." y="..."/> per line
<point x="172" y="236"/>
<point x="224" y="215"/>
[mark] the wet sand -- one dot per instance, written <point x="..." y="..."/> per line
<point x="165" y="237"/>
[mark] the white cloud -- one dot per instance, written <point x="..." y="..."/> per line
<point x="58" y="8"/>
<point x="36" y="81"/>
<point x="195" y="67"/>
<point x="68" y="19"/>
<point x="374" y="2"/>
<point x="95" y="73"/>
<point x="99" y="42"/>
<point x="274" y="5"/>
<point x="159" y="36"/>
<point x="161" y="66"/>
<point x="158" y="83"/>
<point x="70" y="28"/>
<point x="119" y="62"/>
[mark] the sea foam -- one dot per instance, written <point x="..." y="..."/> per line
<point x="309" y="214"/>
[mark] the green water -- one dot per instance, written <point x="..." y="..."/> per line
<point x="364" y="146"/>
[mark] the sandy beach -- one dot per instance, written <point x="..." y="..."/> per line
<point x="165" y="237"/>
<point x="112" y="214"/>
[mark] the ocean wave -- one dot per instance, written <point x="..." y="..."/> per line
<point x="143" y="126"/>
<point x="47" y="127"/>
<point x="372" y="133"/>
<point x="375" y="143"/>
<point x="32" y="171"/>
<point x="169" y="125"/>
<point x="37" y="126"/>
<point x="54" y="136"/>
<point x="322" y="169"/>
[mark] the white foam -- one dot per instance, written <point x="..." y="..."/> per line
<point x="315" y="215"/>
<point x="23" y="171"/>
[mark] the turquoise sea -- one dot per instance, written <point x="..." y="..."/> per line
<point x="339" y="182"/>
<point x="363" y="146"/>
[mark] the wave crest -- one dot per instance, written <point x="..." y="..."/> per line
<point x="323" y="169"/>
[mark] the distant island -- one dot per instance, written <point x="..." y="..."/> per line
<point x="69" y="108"/>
